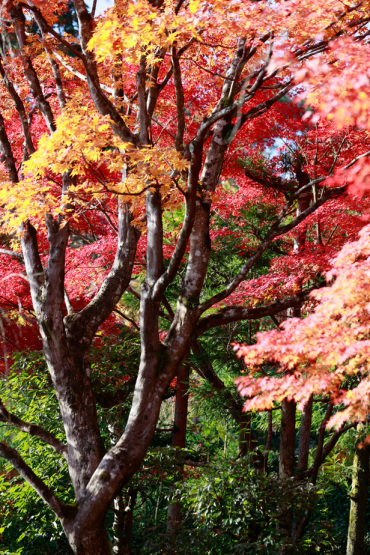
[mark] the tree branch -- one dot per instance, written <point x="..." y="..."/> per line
<point x="6" y="153"/>
<point x="81" y="76"/>
<point x="141" y="93"/>
<point x="45" y="27"/>
<point x="179" y="101"/>
<point x="34" y="269"/>
<point x="18" y="21"/>
<point x="33" y="430"/>
<point x="19" y="106"/>
<point x="13" y="254"/>
<point x="232" y="314"/>
<point x="102" y="104"/>
<point x="275" y="231"/>
<point x="33" y="480"/>
<point x="86" y="322"/>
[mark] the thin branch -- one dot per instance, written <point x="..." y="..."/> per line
<point x="18" y="20"/>
<point x="127" y="318"/>
<point x="133" y="292"/>
<point x="104" y="106"/>
<point x="46" y="27"/>
<point x="33" y="430"/>
<point x="164" y="128"/>
<point x="337" y="154"/>
<point x="168" y="307"/>
<point x="179" y="101"/>
<point x="13" y="254"/>
<point x="20" y="109"/>
<point x="33" y="480"/>
<point x="276" y="231"/>
<point x="356" y="159"/>
<point x="93" y="9"/>
<point x="80" y="75"/>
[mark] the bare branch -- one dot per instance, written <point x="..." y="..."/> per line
<point x="93" y="9"/>
<point x="125" y="317"/>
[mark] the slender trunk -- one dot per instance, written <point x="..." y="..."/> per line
<point x="299" y="523"/>
<point x="359" y="491"/>
<point x="302" y="205"/>
<point x="268" y="442"/>
<point x="179" y="440"/>
<point x="287" y="439"/>
<point x="246" y="441"/>
<point x="300" y="527"/>
<point x="320" y="444"/>
<point x="286" y="459"/>
<point x="304" y="436"/>
<point x="124" y="505"/>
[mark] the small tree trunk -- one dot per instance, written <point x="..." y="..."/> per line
<point x="287" y="439"/>
<point x="123" y="520"/>
<point x="303" y="452"/>
<point x="248" y="443"/>
<point x="304" y="436"/>
<point x="357" y="515"/>
<point x="286" y="459"/>
<point x="179" y="440"/>
<point x="268" y="443"/>
<point x="246" y="440"/>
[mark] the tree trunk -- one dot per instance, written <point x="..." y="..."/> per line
<point x="88" y="541"/>
<point x="357" y="515"/>
<point x="287" y="439"/>
<point x="246" y="440"/>
<point x="179" y="440"/>
<point x="286" y="459"/>
<point x="304" y="436"/>
<point x="123" y="520"/>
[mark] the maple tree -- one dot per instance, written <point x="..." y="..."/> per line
<point x="124" y="153"/>
<point x="325" y="354"/>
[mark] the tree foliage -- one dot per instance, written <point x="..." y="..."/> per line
<point x="174" y="168"/>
